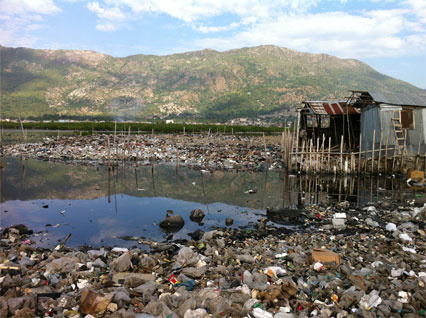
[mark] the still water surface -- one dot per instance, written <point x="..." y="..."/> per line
<point x="97" y="207"/>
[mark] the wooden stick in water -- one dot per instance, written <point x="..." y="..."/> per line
<point x="109" y="154"/>
<point x="372" y="154"/>
<point x="386" y="155"/>
<point x="317" y="156"/>
<point x="341" y="153"/>
<point x="360" y="151"/>
<point x="380" y="153"/>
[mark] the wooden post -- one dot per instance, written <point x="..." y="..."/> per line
<point x="311" y="153"/>
<point x="290" y="162"/>
<point x="386" y="155"/>
<point x="372" y="153"/>
<point x="184" y="130"/>
<point x="308" y="155"/>
<point x="360" y="152"/>
<point x="115" y="130"/>
<point x="317" y="156"/>
<point x="109" y="154"/>
<point x="341" y="152"/>
<point x="329" y="153"/>
<point x="322" y="152"/>
<point x="380" y="153"/>
<point x="264" y="142"/>
<point x="301" y="156"/>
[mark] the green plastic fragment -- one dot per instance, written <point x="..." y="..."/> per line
<point x="259" y="305"/>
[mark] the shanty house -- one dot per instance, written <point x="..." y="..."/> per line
<point x="398" y="120"/>
<point x="329" y="119"/>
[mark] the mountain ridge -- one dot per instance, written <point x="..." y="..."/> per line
<point x="206" y="84"/>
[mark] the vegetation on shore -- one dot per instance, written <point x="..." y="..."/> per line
<point x="139" y="127"/>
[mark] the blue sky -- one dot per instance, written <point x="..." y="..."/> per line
<point x="387" y="34"/>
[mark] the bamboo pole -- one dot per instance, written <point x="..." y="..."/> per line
<point x="115" y="129"/>
<point x="341" y="153"/>
<point x="297" y="136"/>
<point x="290" y="165"/>
<point x="329" y="152"/>
<point x="322" y="152"/>
<point x="309" y="150"/>
<point x="372" y="154"/>
<point x="109" y="154"/>
<point x="23" y="131"/>
<point x="386" y="155"/>
<point x="380" y="153"/>
<point x="311" y="156"/>
<point x="317" y="156"/>
<point x="360" y="152"/>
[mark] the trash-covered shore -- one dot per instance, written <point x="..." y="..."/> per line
<point x="354" y="262"/>
<point x="213" y="152"/>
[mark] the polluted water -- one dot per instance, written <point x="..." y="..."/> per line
<point x="160" y="240"/>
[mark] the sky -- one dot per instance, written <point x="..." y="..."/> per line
<point x="389" y="35"/>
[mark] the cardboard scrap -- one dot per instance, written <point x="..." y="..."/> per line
<point x="324" y="256"/>
<point x="120" y="278"/>
<point x="93" y="303"/>
<point x="417" y="176"/>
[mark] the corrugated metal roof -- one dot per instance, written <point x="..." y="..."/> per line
<point x="399" y="99"/>
<point x="331" y="108"/>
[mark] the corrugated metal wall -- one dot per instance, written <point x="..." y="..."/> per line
<point x="381" y="118"/>
<point x="416" y="135"/>
<point x="369" y="122"/>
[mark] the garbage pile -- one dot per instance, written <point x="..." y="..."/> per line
<point x="371" y="264"/>
<point x="214" y="152"/>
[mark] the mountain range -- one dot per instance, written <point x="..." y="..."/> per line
<point x="206" y="85"/>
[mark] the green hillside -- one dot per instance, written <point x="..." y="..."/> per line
<point x="205" y="84"/>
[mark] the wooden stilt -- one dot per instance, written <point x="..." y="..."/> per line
<point x="360" y="152"/>
<point x="372" y="153"/>
<point x="109" y="154"/>
<point x="322" y="152"/>
<point x="380" y="153"/>
<point x="386" y="155"/>
<point x="329" y="153"/>
<point x="341" y="153"/>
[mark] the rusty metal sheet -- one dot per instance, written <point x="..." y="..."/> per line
<point x="331" y="108"/>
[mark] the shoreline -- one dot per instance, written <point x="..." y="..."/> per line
<point x="379" y="269"/>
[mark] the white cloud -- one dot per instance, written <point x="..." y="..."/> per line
<point x="296" y="24"/>
<point x="18" y="18"/>
<point x="212" y="29"/>
<point x="190" y="11"/>
<point x="418" y="8"/>
<point x="21" y="7"/>
<point x="337" y="33"/>
<point x="111" y="14"/>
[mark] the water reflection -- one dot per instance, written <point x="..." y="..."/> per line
<point x="100" y="204"/>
